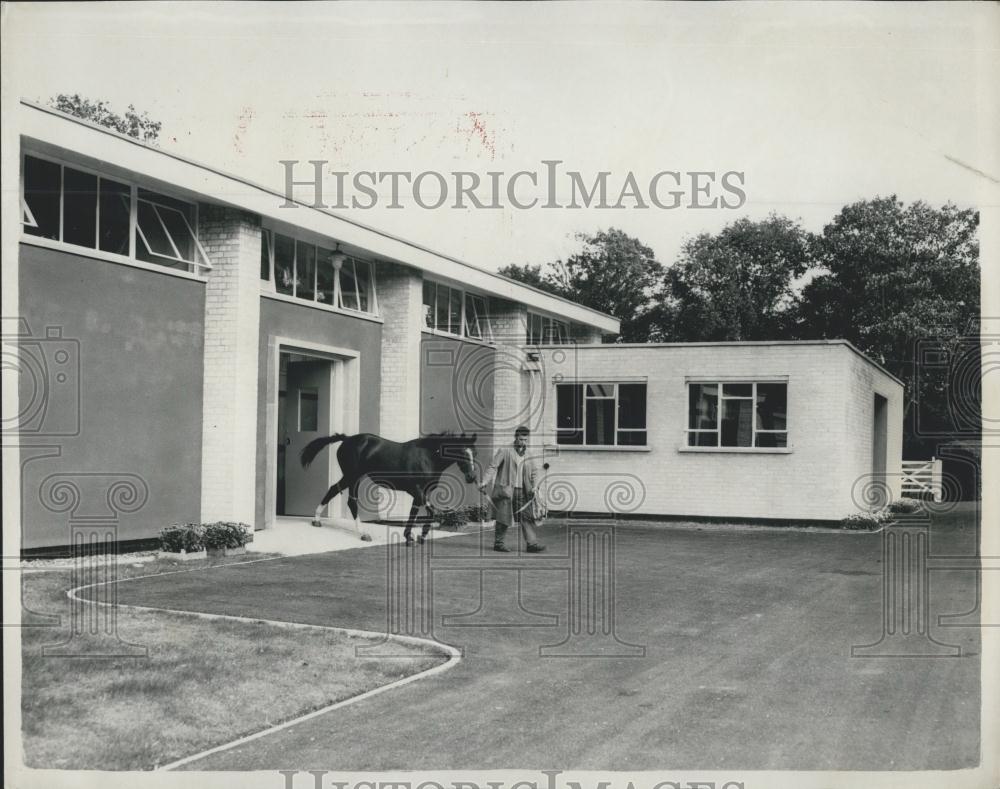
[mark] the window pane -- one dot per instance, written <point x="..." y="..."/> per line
<point x="41" y="193"/>
<point x="308" y="410"/>
<point x="534" y="329"/>
<point x="600" y="390"/>
<point x="79" y="208"/>
<point x="632" y="438"/>
<point x="561" y="333"/>
<point x="600" y="421"/>
<point x="772" y="439"/>
<point x="179" y="232"/>
<point x="737" y="390"/>
<point x="737" y="423"/>
<point x="569" y="437"/>
<point x="455" y="311"/>
<point x="772" y="405"/>
<point x="471" y="318"/>
<point x="265" y="256"/>
<point x="305" y="271"/>
<point x="708" y="438"/>
<point x="348" y="287"/>
<point x="429" y="304"/>
<point x="152" y="244"/>
<point x="441" y="316"/>
<point x="569" y="406"/>
<point x="284" y="264"/>
<point x="703" y="406"/>
<point x="631" y="405"/>
<point x="116" y="200"/>
<point x="324" y="276"/>
<point x="361" y="273"/>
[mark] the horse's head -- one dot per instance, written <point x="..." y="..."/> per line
<point x="466" y="458"/>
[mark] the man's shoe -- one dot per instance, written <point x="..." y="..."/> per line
<point x="535" y="548"/>
<point x="501" y="548"/>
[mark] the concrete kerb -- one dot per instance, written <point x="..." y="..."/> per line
<point x="453" y="654"/>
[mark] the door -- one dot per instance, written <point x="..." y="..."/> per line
<point x="307" y="408"/>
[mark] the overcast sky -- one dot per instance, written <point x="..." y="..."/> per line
<point x="819" y="105"/>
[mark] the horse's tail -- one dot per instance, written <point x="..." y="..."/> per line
<point x="314" y="447"/>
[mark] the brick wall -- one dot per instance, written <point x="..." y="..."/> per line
<point x="232" y="314"/>
<point x="826" y="437"/>
<point x="400" y="298"/>
<point x="512" y="385"/>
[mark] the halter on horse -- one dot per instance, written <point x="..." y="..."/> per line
<point x="413" y="467"/>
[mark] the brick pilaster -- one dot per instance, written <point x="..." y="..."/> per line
<point x="232" y="240"/>
<point x="400" y="300"/>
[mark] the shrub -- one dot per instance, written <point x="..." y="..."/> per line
<point x="904" y="506"/>
<point x="450" y="520"/>
<point x="226" y="534"/>
<point x="866" y="521"/>
<point x="182" y="538"/>
<point x="478" y="514"/>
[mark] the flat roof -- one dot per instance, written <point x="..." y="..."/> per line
<point x="846" y="343"/>
<point x="53" y="127"/>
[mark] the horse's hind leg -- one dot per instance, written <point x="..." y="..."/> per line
<point x="352" y="503"/>
<point x="333" y="491"/>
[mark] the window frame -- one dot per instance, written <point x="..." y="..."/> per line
<point x="463" y="319"/>
<point x="584" y="398"/>
<point x="268" y="286"/>
<point x="555" y="327"/>
<point x="195" y="268"/>
<point x="720" y="411"/>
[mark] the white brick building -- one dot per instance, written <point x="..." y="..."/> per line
<point x="209" y="333"/>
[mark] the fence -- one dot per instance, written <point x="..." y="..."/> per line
<point x="922" y="477"/>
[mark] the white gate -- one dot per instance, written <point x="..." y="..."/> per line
<point x="922" y="477"/>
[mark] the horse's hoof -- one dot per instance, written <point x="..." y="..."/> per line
<point x="408" y="543"/>
<point x="366" y="538"/>
<point x="421" y="540"/>
<point x="316" y="523"/>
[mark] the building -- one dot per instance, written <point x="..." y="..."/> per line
<point x="183" y="333"/>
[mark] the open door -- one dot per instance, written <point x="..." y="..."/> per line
<point x="308" y="388"/>
<point x="879" y="437"/>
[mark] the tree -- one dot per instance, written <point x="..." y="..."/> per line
<point x="530" y="275"/>
<point x="614" y="273"/>
<point x="131" y="123"/>
<point x="737" y="284"/>
<point x="893" y="277"/>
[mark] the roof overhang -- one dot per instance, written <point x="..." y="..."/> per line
<point x="51" y="127"/>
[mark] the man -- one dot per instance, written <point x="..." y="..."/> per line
<point x="504" y="479"/>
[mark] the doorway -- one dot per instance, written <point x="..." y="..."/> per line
<point x="879" y="437"/>
<point x="307" y="409"/>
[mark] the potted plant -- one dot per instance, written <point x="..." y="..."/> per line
<point x="226" y="538"/>
<point x="182" y="541"/>
<point x="481" y="514"/>
<point x="451" y="520"/>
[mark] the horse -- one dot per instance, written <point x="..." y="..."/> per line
<point x="413" y="467"/>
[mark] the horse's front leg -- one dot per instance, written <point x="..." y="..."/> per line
<point x="333" y="491"/>
<point x="409" y="524"/>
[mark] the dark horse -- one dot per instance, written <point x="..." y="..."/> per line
<point x="413" y="467"/>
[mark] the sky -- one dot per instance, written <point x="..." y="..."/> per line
<point x="818" y="105"/>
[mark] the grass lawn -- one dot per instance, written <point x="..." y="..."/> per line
<point x="204" y="682"/>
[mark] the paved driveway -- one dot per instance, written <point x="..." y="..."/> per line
<point x="745" y="663"/>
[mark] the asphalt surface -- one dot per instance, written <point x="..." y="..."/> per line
<point x="730" y="649"/>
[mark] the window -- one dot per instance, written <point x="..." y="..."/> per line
<point x="310" y="272"/>
<point x="451" y="310"/>
<point x="84" y="209"/>
<point x="737" y="415"/>
<point x="543" y="330"/>
<point x="601" y="414"/>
